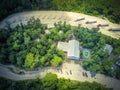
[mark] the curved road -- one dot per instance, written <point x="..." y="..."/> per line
<point x="76" y="70"/>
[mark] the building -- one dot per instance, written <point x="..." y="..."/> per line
<point x="47" y="31"/>
<point x="86" y="53"/>
<point x="51" y="25"/>
<point x="63" y="46"/>
<point x="108" y="48"/>
<point x="37" y="39"/>
<point x="72" y="49"/>
<point x="60" y="31"/>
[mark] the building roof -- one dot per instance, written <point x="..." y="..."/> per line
<point x="51" y="25"/>
<point x="72" y="48"/>
<point x="108" y="48"/>
<point x="63" y="46"/>
<point x="47" y="32"/>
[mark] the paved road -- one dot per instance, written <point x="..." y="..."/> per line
<point x="6" y="73"/>
<point x="76" y="71"/>
<point x="55" y="16"/>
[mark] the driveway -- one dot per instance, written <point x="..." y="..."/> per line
<point x="69" y="70"/>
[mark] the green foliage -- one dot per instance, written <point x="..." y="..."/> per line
<point x="95" y="41"/>
<point x="50" y="82"/>
<point x="29" y="60"/>
<point x="56" y="60"/>
<point x="87" y="63"/>
<point x="118" y="73"/>
<point x="117" y="51"/>
<point x="28" y="46"/>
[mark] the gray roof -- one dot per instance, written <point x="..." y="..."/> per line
<point x="47" y="31"/>
<point x="108" y="48"/>
<point x="51" y="25"/>
<point x="72" y="49"/>
<point x="63" y="46"/>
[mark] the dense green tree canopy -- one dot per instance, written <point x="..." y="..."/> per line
<point x="28" y="46"/>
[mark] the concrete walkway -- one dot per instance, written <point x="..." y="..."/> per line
<point x="76" y="74"/>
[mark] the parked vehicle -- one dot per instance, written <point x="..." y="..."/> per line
<point x="86" y="74"/>
<point x="83" y="73"/>
<point x="90" y="22"/>
<point x="103" y="25"/>
<point x="114" y="29"/>
<point x="79" y="19"/>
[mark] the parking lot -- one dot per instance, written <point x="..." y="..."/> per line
<point x="48" y="17"/>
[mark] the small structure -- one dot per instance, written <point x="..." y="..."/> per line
<point x="86" y="53"/>
<point x="60" y="31"/>
<point x="47" y="31"/>
<point x="63" y="46"/>
<point x="51" y="25"/>
<point x="37" y="39"/>
<point x="72" y="49"/>
<point x="108" y="48"/>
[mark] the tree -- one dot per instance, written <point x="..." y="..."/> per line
<point x="96" y="68"/>
<point x="117" y="51"/>
<point x="29" y="61"/>
<point x="49" y="81"/>
<point x="56" y="60"/>
<point x="26" y="39"/>
<point x="118" y="73"/>
<point x="87" y="63"/>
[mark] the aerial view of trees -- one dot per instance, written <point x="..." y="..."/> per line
<point x="28" y="46"/>
<point x="92" y="7"/>
<point x="96" y="41"/>
<point x="50" y="82"/>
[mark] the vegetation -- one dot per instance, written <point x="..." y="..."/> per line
<point x="28" y="46"/>
<point x="50" y="82"/>
<point x="56" y="60"/>
<point x="92" y="7"/>
<point x="100" y="61"/>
